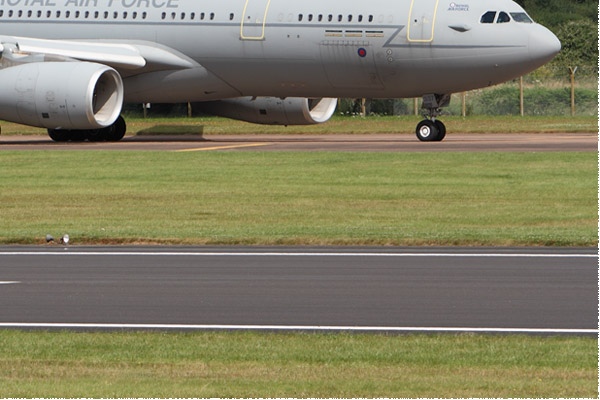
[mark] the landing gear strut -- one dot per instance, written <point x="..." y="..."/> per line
<point x="431" y="129"/>
<point x="112" y="133"/>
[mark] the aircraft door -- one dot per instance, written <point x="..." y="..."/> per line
<point x="254" y="19"/>
<point x="421" y="21"/>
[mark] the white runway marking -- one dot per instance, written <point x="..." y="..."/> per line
<point x="9" y="282"/>
<point x="294" y="254"/>
<point x="282" y="328"/>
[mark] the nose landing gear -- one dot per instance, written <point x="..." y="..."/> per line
<point x="431" y="129"/>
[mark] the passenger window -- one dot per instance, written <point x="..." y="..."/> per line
<point x="488" y="17"/>
<point x="503" y="18"/>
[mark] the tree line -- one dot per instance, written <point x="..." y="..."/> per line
<point x="575" y="22"/>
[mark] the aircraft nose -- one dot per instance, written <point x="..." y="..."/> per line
<point x="543" y="45"/>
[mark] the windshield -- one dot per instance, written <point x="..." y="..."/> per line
<point x="521" y="17"/>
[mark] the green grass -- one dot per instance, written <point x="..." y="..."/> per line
<point x="38" y="364"/>
<point x="300" y="198"/>
<point x="353" y="125"/>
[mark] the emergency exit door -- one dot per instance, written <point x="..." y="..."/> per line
<point x="421" y="20"/>
<point x="254" y="19"/>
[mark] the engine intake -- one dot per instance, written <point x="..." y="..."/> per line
<point x="61" y="95"/>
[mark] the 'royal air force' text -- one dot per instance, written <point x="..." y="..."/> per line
<point x="93" y="3"/>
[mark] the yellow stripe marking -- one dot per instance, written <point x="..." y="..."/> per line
<point x="236" y="146"/>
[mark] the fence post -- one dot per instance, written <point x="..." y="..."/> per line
<point x="572" y="72"/>
<point x="521" y="97"/>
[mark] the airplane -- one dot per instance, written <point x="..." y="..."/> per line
<point x="69" y="65"/>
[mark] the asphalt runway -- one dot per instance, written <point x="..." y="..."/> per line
<point x="373" y="142"/>
<point x="553" y="291"/>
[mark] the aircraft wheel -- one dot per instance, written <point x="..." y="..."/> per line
<point x="95" y="135"/>
<point x="116" y="131"/>
<point x="427" y="131"/>
<point x="67" y="135"/>
<point x="441" y="130"/>
<point x="59" y="135"/>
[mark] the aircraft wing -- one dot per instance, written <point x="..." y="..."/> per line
<point x="128" y="58"/>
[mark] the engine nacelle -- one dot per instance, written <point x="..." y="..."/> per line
<point x="274" y="110"/>
<point x="61" y="95"/>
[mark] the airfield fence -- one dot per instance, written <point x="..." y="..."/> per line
<point x="546" y="92"/>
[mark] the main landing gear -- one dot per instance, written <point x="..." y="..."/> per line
<point x="112" y="133"/>
<point x="431" y="129"/>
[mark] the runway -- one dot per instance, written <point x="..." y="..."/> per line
<point x="549" y="291"/>
<point x="338" y="142"/>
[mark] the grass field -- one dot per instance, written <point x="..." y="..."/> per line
<point x="301" y="198"/>
<point x="259" y="198"/>
<point x="339" y="124"/>
<point x="38" y="364"/>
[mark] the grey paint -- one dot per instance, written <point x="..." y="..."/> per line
<point x="208" y="59"/>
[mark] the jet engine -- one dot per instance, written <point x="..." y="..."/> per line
<point x="61" y="95"/>
<point x="273" y="110"/>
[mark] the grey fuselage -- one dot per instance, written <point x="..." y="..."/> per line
<point x="308" y="48"/>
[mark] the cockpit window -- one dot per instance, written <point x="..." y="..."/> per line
<point x="503" y="17"/>
<point x="521" y="17"/>
<point x="488" y="17"/>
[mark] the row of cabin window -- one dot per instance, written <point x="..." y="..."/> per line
<point x="98" y="14"/>
<point x="330" y="17"/>
<point x="74" y="14"/>
<point x="192" y="16"/>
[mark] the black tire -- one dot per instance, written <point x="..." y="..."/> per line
<point x="441" y="130"/>
<point x="95" y="135"/>
<point x="116" y="131"/>
<point x="67" y="135"/>
<point x="427" y="131"/>
<point x="59" y="135"/>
